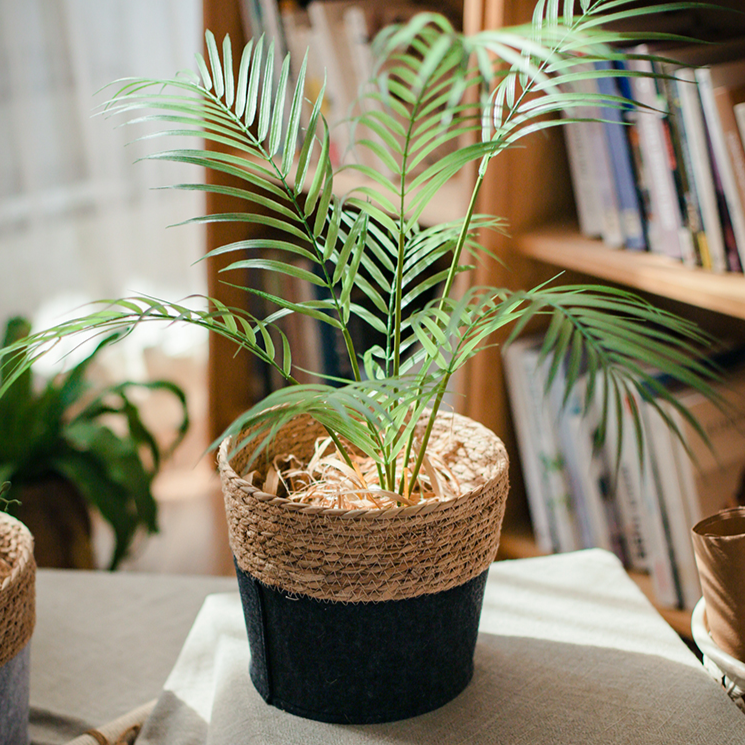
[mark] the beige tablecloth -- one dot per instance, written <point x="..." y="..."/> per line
<point x="105" y="643"/>
<point x="569" y="652"/>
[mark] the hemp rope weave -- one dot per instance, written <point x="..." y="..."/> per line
<point x="17" y="587"/>
<point x="370" y="554"/>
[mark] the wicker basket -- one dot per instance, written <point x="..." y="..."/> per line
<point x="342" y="595"/>
<point x="17" y="618"/>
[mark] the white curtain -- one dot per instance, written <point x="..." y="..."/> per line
<point x="79" y="220"/>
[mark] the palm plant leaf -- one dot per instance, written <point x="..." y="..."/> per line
<point x="366" y="256"/>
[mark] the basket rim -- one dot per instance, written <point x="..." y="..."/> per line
<point x="369" y="513"/>
<point x="19" y="568"/>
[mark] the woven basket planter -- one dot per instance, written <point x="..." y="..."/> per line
<point x="365" y="616"/>
<point x="17" y="617"/>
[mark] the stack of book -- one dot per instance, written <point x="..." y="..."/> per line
<point x="667" y="175"/>
<point x="637" y="499"/>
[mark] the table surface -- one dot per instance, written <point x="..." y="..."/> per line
<point x="569" y="651"/>
<point x="104" y="643"/>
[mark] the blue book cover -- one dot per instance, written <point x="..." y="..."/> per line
<point x="632" y="216"/>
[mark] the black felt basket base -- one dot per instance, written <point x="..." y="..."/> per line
<point x="360" y="663"/>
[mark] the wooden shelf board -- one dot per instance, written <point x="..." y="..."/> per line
<point x="564" y="247"/>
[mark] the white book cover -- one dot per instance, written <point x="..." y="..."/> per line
<point x="695" y="130"/>
<point x="553" y="467"/>
<point x="528" y="436"/>
<point x="582" y="171"/>
<point x="673" y="503"/>
<point x="660" y="557"/>
<point x="723" y="158"/>
<point x="576" y="445"/>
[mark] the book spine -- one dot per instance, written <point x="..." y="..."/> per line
<point x="625" y="483"/>
<point x="665" y="223"/>
<point x="553" y="467"/>
<point x="576" y="446"/>
<point x="612" y="233"/>
<point x="714" y="253"/>
<point x="528" y="435"/>
<point x="669" y="489"/>
<point x="632" y="221"/>
<point x="739" y="110"/>
<point x="582" y="173"/>
<point x="721" y="156"/>
<point x="600" y="170"/>
<point x="660" y="559"/>
<point x="733" y="144"/>
<point x="683" y="172"/>
<point x="324" y="41"/>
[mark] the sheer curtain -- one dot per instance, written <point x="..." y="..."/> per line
<point x="79" y="220"/>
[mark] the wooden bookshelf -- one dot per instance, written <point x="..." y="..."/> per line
<point x="562" y="246"/>
<point x="530" y="187"/>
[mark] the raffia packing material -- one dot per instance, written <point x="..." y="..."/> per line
<point x="376" y="589"/>
<point x="719" y="546"/>
<point x="17" y="619"/>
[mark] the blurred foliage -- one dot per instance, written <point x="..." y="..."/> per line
<point x="95" y="439"/>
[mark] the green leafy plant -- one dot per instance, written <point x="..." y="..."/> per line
<point x="434" y="88"/>
<point x="62" y="431"/>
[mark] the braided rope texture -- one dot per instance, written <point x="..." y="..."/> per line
<point x="367" y="555"/>
<point x="17" y="587"/>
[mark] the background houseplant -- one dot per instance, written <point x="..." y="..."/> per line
<point x="68" y="447"/>
<point x="433" y="87"/>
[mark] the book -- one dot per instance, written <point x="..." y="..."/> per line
<point x="713" y="255"/>
<point x="614" y="129"/>
<point x="660" y="558"/>
<point x="739" y="109"/>
<point x="527" y="430"/>
<point x="666" y="231"/>
<point x="298" y="35"/>
<point x="592" y="173"/>
<point x="708" y="80"/>
<point x="329" y="40"/>
<point x="670" y="493"/>
<point x="263" y="17"/>
<point x="690" y="206"/>
<point x="582" y="173"/>
<point x="623" y="467"/>
<point x="585" y="468"/>
<point x="549" y="497"/>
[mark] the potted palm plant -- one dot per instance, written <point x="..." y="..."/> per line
<point x="362" y="516"/>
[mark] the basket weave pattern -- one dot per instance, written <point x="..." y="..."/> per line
<point x="371" y="554"/>
<point x="17" y="588"/>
